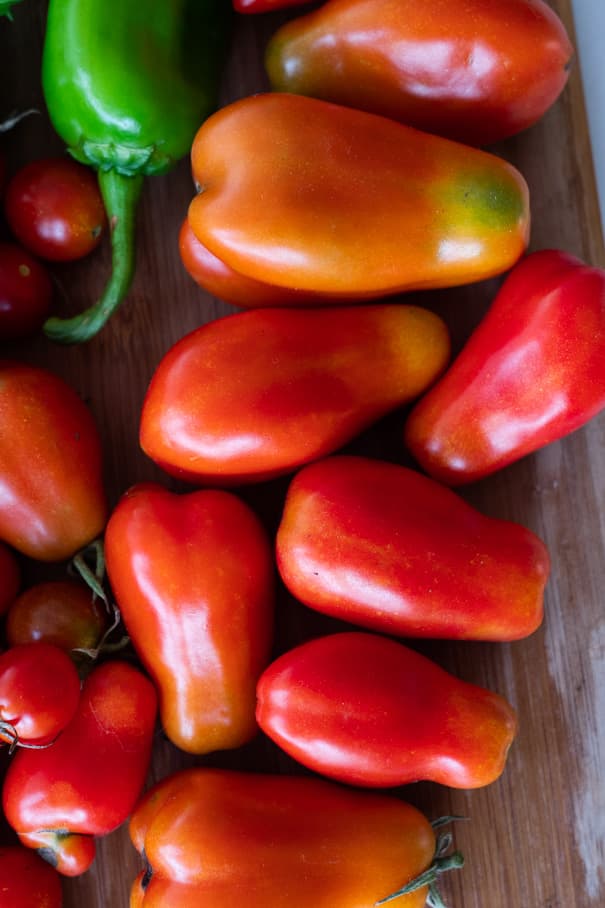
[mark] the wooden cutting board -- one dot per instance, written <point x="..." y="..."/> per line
<point x="535" y="838"/>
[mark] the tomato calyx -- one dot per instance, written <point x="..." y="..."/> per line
<point x="94" y="578"/>
<point x="442" y="863"/>
<point x="10" y="736"/>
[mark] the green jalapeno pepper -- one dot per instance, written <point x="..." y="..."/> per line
<point x="127" y="85"/>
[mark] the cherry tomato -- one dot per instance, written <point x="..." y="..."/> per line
<point x="25" y="292"/>
<point x="10" y="578"/>
<point x="61" y="612"/>
<point x="27" y="880"/>
<point x="54" y="207"/>
<point x="39" y="693"/>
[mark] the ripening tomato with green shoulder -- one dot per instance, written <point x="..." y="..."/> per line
<point x="39" y="694"/>
<point x="52" y="499"/>
<point x="58" y="799"/>
<point x="532" y="372"/>
<point x="193" y="577"/>
<point x="365" y="710"/>
<point x="26" y="881"/>
<point x="204" y="834"/>
<point x="473" y="70"/>
<point x="254" y="395"/>
<point x="305" y="194"/>
<point x="387" y="548"/>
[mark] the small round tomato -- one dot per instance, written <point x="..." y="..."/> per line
<point x="10" y="578"/>
<point x="54" y="207"/>
<point x="27" y="880"/>
<point x="25" y="293"/>
<point x="62" y="612"/>
<point x="39" y="693"/>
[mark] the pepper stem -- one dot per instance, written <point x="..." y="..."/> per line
<point x="120" y="196"/>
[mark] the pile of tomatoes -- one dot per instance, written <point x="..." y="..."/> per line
<point x="166" y="617"/>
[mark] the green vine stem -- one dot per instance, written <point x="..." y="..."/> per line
<point x="9" y="735"/>
<point x="94" y="578"/>
<point x="442" y="863"/>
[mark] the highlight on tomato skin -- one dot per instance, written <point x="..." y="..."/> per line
<point x="366" y="710"/>
<point x="470" y="70"/>
<point x="531" y="373"/>
<point x="222" y="281"/>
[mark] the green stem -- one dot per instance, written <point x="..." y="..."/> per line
<point x="120" y="195"/>
<point x="442" y="863"/>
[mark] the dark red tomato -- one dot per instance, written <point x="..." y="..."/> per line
<point x="26" y="881"/>
<point x="39" y="693"/>
<point x="25" y="293"/>
<point x="10" y="578"/>
<point x="61" y="612"/>
<point x="54" y="207"/>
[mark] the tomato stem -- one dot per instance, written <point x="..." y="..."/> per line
<point x="120" y="195"/>
<point x="442" y="863"/>
<point x="9" y="735"/>
<point x="94" y="580"/>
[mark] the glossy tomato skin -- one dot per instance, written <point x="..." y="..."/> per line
<point x="25" y="293"/>
<point x="434" y="213"/>
<point x="39" y="693"/>
<point x="319" y="844"/>
<point x="53" y="501"/>
<point x="386" y="548"/>
<point x="62" y="612"/>
<point x="27" y="880"/>
<point x="88" y="782"/>
<point x="193" y="577"/>
<point x="254" y="395"/>
<point x="10" y="578"/>
<point x="472" y="70"/>
<point x="366" y="710"/>
<point x="532" y="372"/>
<point x="54" y="208"/>
<point x="224" y="282"/>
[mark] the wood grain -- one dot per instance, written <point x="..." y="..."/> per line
<point x="535" y="838"/>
